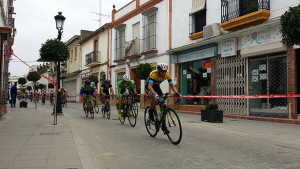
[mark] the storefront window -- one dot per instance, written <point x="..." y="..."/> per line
<point x="196" y="78"/>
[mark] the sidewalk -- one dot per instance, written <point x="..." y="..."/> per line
<point x="29" y="140"/>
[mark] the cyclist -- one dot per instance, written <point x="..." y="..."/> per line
<point x="123" y="86"/>
<point x="153" y="89"/>
<point x="87" y="89"/>
<point x="104" y="90"/>
<point x="64" y="94"/>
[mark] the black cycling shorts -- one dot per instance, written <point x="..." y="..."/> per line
<point x="156" y="88"/>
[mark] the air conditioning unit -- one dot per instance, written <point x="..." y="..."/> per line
<point x="211" y="30"/>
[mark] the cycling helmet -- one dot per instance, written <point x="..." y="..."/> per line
<point x="93" y="83"/>
<point x="107" y="81"/>
<point x="126" y="77"/>
<point x="87" y="82"/>
<point x="132" y="81"/>
<point x="162" y="67"/>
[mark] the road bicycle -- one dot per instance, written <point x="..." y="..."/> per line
<point x="106" y="107"/>
<point x="128" y="111"/>
<point x="88" y="107"/>
<point x="171" y="118"/>
<point x="64" y="101"/>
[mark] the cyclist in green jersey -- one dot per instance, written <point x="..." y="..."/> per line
<point x="87" y="90"/>
<point x="123" y="86"/>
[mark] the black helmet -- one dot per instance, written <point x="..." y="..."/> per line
<point x="87" y="82"/>
<point x="107" y="81"/>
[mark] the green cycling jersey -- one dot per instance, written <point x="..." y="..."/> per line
<point x="122" y="87"/>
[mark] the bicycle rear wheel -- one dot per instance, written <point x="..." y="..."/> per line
<point x="108" y="114"/>
<point x="131" y="116"/>
<point x="150" y="125"/>
<point x="174" y="126"/>
<point x="103" y="112"/>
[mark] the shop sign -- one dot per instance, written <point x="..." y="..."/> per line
<point x="229" y="47"/>
<point x="272" y="34"/>
<point x="85" y="75"/>
<point x="199" y="54"/>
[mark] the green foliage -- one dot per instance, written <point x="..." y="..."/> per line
<point x="93" y="78"/>
<point x="290" y="26"/>
<point x="211" y="107"/>
<point x="143" y="70"/>
<point x="22" y="80"/>
<point x="50" y="86"/>
<point x="33" y="76"/>
<point x="29" y="88"/>
<point x="54" y="50"/>
<point x="41" y="86"/>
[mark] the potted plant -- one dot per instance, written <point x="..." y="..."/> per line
<point x="212" y="114"/>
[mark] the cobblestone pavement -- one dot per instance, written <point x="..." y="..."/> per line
<point x="235" y="143"/>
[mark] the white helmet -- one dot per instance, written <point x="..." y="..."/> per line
<point x="132" y="81"/>
<point x="126" y="77"/>
<point x="93" y="83"/>
<point x="162" y="67"/>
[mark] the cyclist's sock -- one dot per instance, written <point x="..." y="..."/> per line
<point x="119" y="114"/>
<point x="151" y="112"/>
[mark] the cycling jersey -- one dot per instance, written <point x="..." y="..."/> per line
<point x="156" y="80"/>
<point x="105" y="89"/>
<point x="122" y="87"/>
<point x="87" y="90"/>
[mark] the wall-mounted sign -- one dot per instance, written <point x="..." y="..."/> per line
<point x="188" y="76"/>
<point x="272" y="34"/>
<point x="229" y="47"/>
<point x="85" y="75"/>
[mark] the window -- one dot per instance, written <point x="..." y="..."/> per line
<point x="71" y="56"/>
<point x="149" y="30"/>
<point x="120" y="43"/>
<point x="197" y="21"/>
<point x="119" y="77"/>
<point x="196" y="77"/>
<point x="75" y="53"/>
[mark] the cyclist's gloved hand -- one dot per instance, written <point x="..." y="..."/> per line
<point x="157" y="97"/>
<point x="177" y="94"/>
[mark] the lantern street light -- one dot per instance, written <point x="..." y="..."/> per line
<point x="59" y="19"/>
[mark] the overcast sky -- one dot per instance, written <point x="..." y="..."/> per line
<point x="34" y="21"/>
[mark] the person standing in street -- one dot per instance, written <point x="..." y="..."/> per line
<point x="13" y="93"/>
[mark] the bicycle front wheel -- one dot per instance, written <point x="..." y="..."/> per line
<point x="96" y="108"/>
<point x="150" y="125"/>
<point x="135" y="108"/>
<point x="174" y="126"/>
<point x="131" y="116"/>
<point x="86" y="113"/>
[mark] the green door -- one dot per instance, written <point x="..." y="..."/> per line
<point x="184" y="81"/>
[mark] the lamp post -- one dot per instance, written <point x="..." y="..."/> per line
<point x="59" y="19"/>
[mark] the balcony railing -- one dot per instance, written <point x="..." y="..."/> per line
<point x="92" y="57"/>
<point x="132" y="48"/>
<point x="231" y="9"/>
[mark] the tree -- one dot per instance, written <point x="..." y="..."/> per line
<point x="54" y="50"/>
<point x="93" y="78"/>
<point x="29" y="88"/>
<point x="290" y="26"/>
<point x="33" y="76"/>
<point x="50" y="86"/>
<point x="41" y="86"/>
<point x="22" y="80"/>
<point x="143" y="70"/>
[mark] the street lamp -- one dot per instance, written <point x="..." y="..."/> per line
<point x="59" y="19"/>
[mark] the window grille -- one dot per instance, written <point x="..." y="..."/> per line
<point x="120" y="43"/>
<point x="149" y="28"/>
<point x="268" y="75"/>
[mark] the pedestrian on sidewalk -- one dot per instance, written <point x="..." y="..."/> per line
<point x="13" y="93"/>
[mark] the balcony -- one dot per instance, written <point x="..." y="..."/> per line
<point x="92" y="59"/>
<point x="133" y="49"/>
<point x="240" y="14"/>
